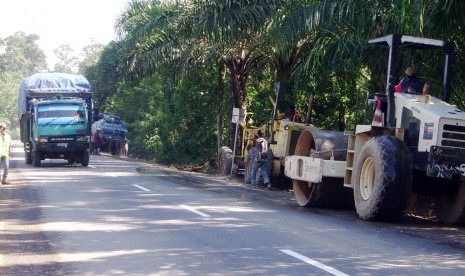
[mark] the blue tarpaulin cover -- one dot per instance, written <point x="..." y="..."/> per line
<point x="53" y="83"/>
<point x="57" y="81"/>
<point x="112" y="128"/>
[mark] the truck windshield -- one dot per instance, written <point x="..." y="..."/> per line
<point x="71" y="111"/>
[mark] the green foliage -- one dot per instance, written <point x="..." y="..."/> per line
<point x="169" y="57"/>
<point x="91" y="54"/>
<point x="261" y="96"/>
<point x="171" y="125"/>
<point x="138" y="107"/>
<point x="20" y="58"/>
<point x="67" y="61"/>
<point x="22" y="55"/>
<point x="106" y="73"/>
<point x="9" y="87"/>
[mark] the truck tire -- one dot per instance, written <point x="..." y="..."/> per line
<point x="382" y="179"/>
<point x="450" y="208"/>
<point x="225" y="160"/>
<point x="113" y="148"/>
<point x="28" y="157"/>
<point x="248" y="164"/>
<point x="85" y="159"/>
<point x="36" y="159"/>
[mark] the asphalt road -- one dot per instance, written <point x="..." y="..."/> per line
<point x="124" y="217"/>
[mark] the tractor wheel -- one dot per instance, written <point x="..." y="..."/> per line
<point x="249" y="163"/>
<point x="330" y="193"/>
<point x="450" y="208"/>
<point x="382" y="180"/>
<point x="85" y="159"/>
<point x="225" y="161"/>
<point x="28" y="157"/>
<point x="36" y="159"/>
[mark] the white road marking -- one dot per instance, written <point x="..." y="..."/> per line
<point x="313" y="262"/>
<point x="192" y="209"/>
<point x="91" y="166"/>
<point x="111" y="174"/>
<point x="142" y="188"/>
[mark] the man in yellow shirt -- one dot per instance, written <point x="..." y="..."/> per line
<point x="5" y="142"/>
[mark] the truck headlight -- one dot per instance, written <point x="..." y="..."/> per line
<point x="42" y="139"/>
<point x="83" y="139"/>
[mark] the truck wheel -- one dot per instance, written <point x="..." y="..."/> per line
<point x="28" y="157"/>
<point x="225" y="160"/>
<point x="382" y="179"/>
<point x="85" y="159"/>
<point x="112" y="148"/>
<point x="450" y="208"/>
<point x="36" y="159"/>
<point x="248" y="164"/>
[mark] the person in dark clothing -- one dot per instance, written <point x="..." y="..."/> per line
<point x="292" y="114"/>
<point x="412" y="84"/>
<point x="260" y="160"/>
<point x="97" y="137"/>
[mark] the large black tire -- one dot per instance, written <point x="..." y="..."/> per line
<point x="36" y="158"/>
<point x="28" y="157"/>
<point x="85" y="159"/>
<point x="113" y="148"/>
<point x="450" y="207"/>
<point x="382" y="179"/>
<point x="225" y="160"/>
<point x="249" y="163"/>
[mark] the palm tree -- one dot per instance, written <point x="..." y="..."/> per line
<point x="148" y="29"/>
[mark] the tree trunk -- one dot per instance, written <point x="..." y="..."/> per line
<point x="341" y="121"/>
<point x="239" y="68"/>
<point x="219" y="117"/>
<point x="308" y="118"/>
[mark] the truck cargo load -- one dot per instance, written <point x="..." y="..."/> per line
<point x="43" y="84"/>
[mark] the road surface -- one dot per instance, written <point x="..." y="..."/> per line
<point x="124" y="217"/>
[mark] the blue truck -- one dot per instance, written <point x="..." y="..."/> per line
<point x="113" y="133"/>
<point x="55" y="117"/>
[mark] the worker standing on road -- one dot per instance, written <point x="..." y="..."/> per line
<point x="260" y="161"/>
<point x="5" y="143"/>
<point x="97" y="141"/>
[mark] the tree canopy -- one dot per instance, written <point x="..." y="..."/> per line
<point x="192" y="52"/>
<point x="178" y="68"/>
<point x="21" y="56"/>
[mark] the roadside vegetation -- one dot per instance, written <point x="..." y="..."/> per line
<point x="178" y="68"/>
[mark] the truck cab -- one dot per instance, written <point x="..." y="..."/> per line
<point x="60" y="129"/>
